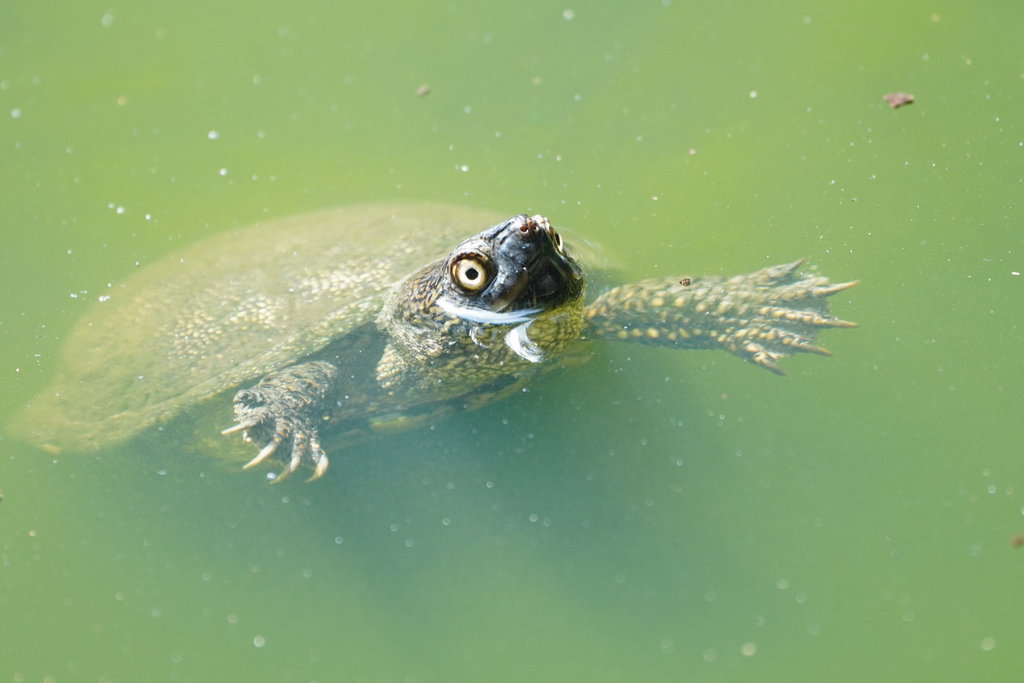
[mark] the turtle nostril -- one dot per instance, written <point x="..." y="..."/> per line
<point x="526" y="224"/>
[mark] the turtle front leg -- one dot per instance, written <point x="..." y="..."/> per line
<point x="286" y="406"/>
<point x="761" y="317"/>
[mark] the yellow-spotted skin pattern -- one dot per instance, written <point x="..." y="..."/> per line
<point x="761" y="317"/>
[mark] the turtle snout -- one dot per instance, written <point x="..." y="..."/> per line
<point x="532" y="224"/>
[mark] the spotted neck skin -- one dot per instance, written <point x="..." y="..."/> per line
<point x="502" y="301"/>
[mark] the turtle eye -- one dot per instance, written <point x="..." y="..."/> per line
<point x="470" y="273"/>
<point x="558" y="242"/>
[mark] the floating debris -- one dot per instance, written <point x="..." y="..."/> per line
<point x="898" y="99"/>
<point x="423" y="90"/>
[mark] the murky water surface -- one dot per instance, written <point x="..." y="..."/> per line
<point x="652" y="516"/>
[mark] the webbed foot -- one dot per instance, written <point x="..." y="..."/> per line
<point x="761" y="317"/>
<point x="285" y="408"/>
<point x="776" y="312"/>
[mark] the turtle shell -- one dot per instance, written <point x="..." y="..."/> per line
<point x="229" y="309"/>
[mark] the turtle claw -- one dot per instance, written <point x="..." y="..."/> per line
<point x="241" y="426"/>
<point x="814" y="348"/>
<point x="321" y="467"/>
<point x="289" y="470"/>
<point x="782" y="272"/>
<point x="267" y="451"/>
<point x="834" y="322"/>
<point x="767" y="361"/>
<point x="319" y="457"/>
<point x="835" y="289"/>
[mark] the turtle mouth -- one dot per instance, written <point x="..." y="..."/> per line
<point x="486" y="316"/>
<point x="507" y="298"/>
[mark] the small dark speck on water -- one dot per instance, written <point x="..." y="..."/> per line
<point x="685" y="282"/>
<point x="1017" y="540"/>
<point x="898" y="99"/>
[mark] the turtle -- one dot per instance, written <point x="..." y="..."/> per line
<point x="348" y="323"/>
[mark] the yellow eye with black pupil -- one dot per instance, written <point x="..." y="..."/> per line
<point x="470" y="274"/>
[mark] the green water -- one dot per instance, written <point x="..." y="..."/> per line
<point x="697" y="518"/>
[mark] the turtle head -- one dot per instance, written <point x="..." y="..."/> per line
<point x="510" y="295"/>
<point x="510" y="274"/>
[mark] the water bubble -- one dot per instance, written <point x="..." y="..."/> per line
<point x="568" y="15"/>
<point x="748" y="649"/>
<point x="259" y="641"/>
<point x="782" y="584"/>
<point x="408" y="543"/>
<point x="339" y="540"/>
<point x="213" y="135"/>
<point x="988" y="643"/>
